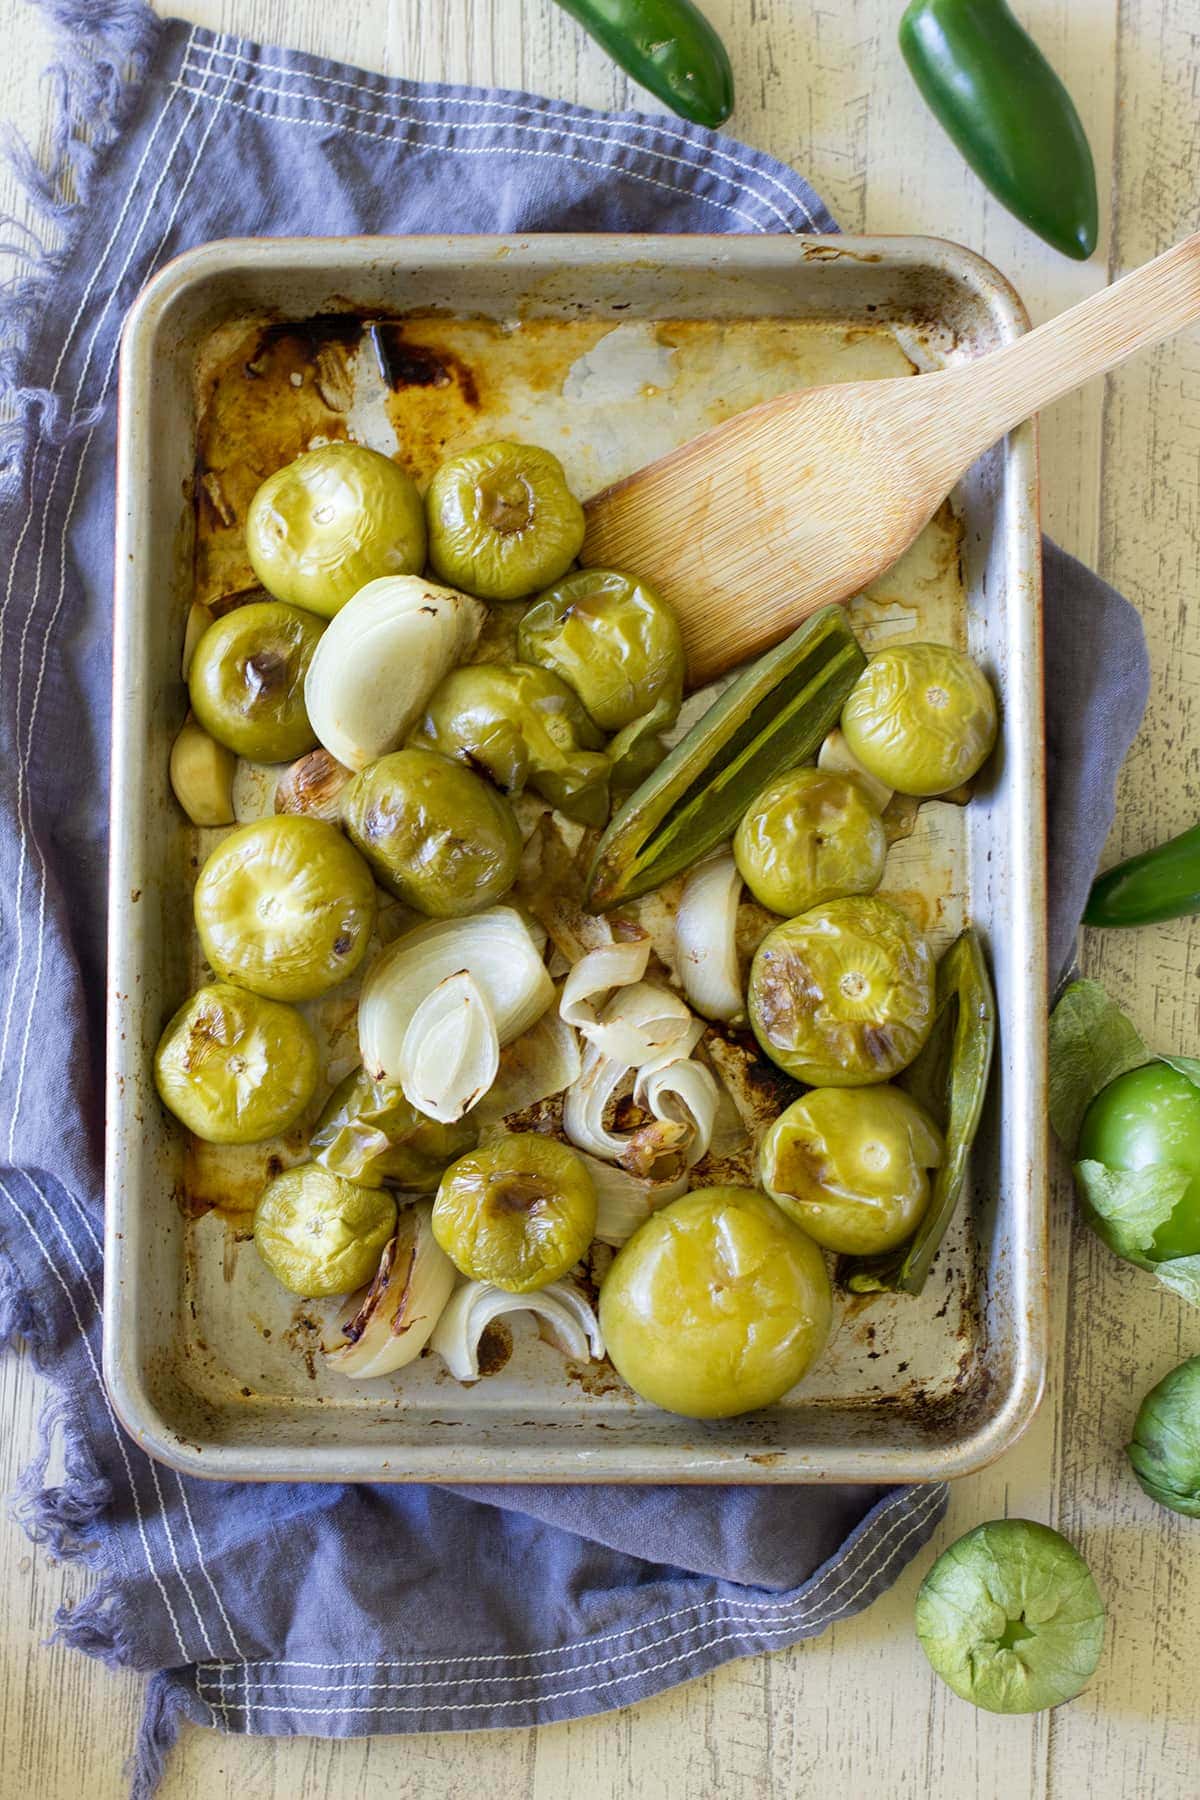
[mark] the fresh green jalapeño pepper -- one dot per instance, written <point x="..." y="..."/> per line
<point x="1158" y="884"/>
<point x="949" y="1079"/>
<point x="989" y="85"/>
<point x="667" y="45"/>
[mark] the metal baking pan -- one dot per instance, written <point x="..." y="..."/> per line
<point x="610" y="350"/>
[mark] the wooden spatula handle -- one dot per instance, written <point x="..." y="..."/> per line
<point x="989" y="397"/>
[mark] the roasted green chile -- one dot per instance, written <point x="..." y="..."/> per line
<point x="667" y="45"/>
<point x="1159" y="884"/>
<point x="989" y="86"/>
<point x="771" y="718"/>
<point x="949" y="1079"/>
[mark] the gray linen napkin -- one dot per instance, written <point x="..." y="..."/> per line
<point x="329" y="1610"/>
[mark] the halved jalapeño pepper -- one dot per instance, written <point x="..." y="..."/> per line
<point x="949" y="1079"/>
<point x="774" y="716"/>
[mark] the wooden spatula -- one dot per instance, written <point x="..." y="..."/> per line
<point x="808" y="497"/>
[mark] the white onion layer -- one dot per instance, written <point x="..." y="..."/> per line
<point x="596" y="976"/>
<point x="380" y="658"/>
<point x="625" y="1201"/>
<point x="390" y="1325"/>
<point x="836" y="755"/>
<point x="494" y="947"/>
<point x="541" y="1062"/>
<point x="679" y="1093"/>
<point x="682" y="1093"/>
<point x="706" y="939"/>
<point x="450" y="1054"/>
<point x="644" y="1026"/>
<point x="475" y="1305"/>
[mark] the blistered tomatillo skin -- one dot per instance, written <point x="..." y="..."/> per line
<point x="812" y="835"/>
<point x="319" y="1234"/>
<point x="502" y="521"/>
<point x="843" y="995"/>
<point x="437" y="835"/>
<point x="922" y="718"/>
<point x="1151" y="1115"/>
<point x="323" y="526"/>
<point x="285" y="907"/>
<point x="519" y="1212"/>
<point x="717" y="1305"/>
<point x="246" y="680"/>
<point x="613" y="641"/>
<point x="1010" y="1617"/>
<point x="851" y="1166"/>
<point x="371" y="1134"/>
<point x="235" y="1068"/>
<point x="521" y="726"/>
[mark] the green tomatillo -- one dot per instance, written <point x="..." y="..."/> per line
<point x="1165" y="1449"/>
<point x="1010" y="1617"/>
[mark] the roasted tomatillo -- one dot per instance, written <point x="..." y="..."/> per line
<point x="319" y="1234"/>
<point x="922" y="718"/>
<point x="613" y="641"/>
<point x="435" y="833"/>
<point x="502" y="521"/>
<point x="323" y="526"/>
<point x="519" y="1212"/>
<point x="717" y="1305"/>
<point x="235" y="1068"/>
<point x="522" y="727"/>
<point x="370" y="1133"/>
<point x="246" y="680"/>
<point x="843" y="995"/>
<point x="810" y="835"/>
<point x="851" y="1166"/>
<point x="285" y="907"/>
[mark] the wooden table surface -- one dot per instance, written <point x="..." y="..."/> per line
<point x="856" y="1713"/>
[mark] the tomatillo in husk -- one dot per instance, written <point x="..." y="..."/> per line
<point x="1010" y="1617"/>
<point x="1165" y="1449"/>
<point x="1146" y="1118"/>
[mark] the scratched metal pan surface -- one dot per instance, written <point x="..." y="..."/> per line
<point x="610" y="350"/>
